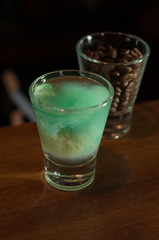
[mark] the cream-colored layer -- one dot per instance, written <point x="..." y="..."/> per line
<point x="68" y="147"/>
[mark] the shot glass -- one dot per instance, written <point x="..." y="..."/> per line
<point x="71" y="109"/>
<point x="121" y="59"/>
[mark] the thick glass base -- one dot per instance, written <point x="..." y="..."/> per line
<point x="69" y="177"/>
<point x="117" y="126"/>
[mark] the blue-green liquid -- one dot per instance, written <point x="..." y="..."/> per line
<point x="72" y="130"/>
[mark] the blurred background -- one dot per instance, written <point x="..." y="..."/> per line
<point x="38" y="36"/>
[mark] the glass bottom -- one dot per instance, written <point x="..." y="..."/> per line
<point x="117" y="126"/>
<point x="69" y="177"/>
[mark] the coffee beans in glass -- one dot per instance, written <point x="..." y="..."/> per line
<point x="120" y="58"/>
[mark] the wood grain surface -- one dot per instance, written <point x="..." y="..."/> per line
<point x="121" y="204"/>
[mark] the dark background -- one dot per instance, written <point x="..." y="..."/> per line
<point x="38" y="36"/>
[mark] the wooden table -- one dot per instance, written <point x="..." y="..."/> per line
<point x="121" y="204"/>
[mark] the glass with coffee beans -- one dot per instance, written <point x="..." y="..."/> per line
<point x="120" y="58"/>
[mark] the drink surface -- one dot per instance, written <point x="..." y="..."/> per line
<point x="71" y="93"/>
<point x="74" y="135"/>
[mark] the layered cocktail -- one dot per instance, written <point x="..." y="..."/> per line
<point x="71" y="109"/>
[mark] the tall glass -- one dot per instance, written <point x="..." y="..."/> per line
<point x="120" y="58"/>
<point x="71" y="109"/>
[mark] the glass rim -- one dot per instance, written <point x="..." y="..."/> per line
<point x="71" y="111"/>
<point x="141" y="59"/>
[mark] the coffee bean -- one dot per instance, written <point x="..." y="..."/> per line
<point x="135" y="75"/>
<point x="131" y="57"/>
<point x="125" y="83"/>
<point x="117" y="94"/>
<point x="137" y="66"/>
<point x="130" y="85"/>
<point x="91" y="54"/>
<point x="116" y="99"/>
<point x="128" y="90"/>
<point x="110" y="51"/>
<point x="118" y="89"/>
<point x="123" y="52"/>
<point x="127" y="98"/>
<point x="115" y="73"/>
<point x="124" y="103"/>
<point x="127" y="94"/>
<point x="113" y="109"/>
<point x="129" y="69"/>
<point x="134" y="53"/>
<point x="114" y="104"/>
<point x="127" y="77"/>
<point x="137" y="52"/>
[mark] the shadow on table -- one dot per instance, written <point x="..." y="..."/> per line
<point x="144" y="123"/>
<point x="112" y="172"/>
